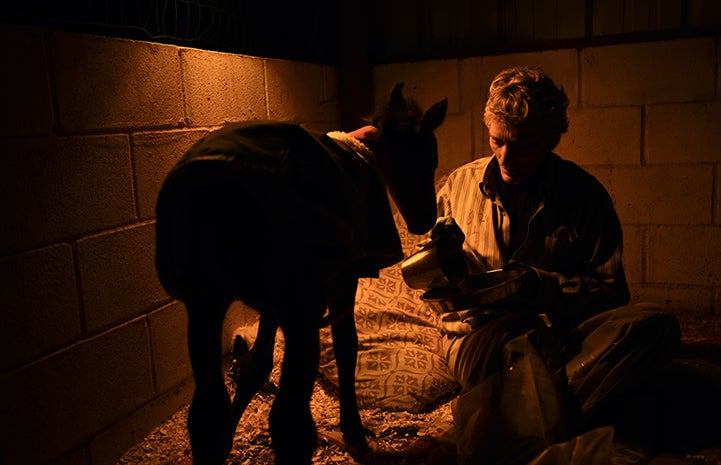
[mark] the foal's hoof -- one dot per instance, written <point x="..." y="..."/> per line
<point x="359" y="449"/>
<point x="357" y="445"/>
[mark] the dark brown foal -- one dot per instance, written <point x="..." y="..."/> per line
<point x="287" y="220"/>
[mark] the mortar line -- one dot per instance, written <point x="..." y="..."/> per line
<point x="265" y="87"/>
<point x="52" y="83"/>
<point x="645" y="259"/>
<point x="151" y="352"/>
<point x="82" y="316"/>
<point x="715" y="194"/>
<point x="642" y="141"/>
<point x="181" y="72"/>
<point x="133" y="176"/>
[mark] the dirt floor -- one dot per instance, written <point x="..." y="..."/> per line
<point x="395" y="431"/>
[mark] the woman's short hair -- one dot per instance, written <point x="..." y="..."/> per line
<point x="525" y="98"/>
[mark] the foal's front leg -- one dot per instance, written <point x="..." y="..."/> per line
<point x="210" y="409"/>
<point x="345" y="347"/>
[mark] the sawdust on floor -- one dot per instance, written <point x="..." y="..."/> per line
<point x="395" y="431"/>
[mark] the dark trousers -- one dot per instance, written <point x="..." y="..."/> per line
<point x="520" y="397"/>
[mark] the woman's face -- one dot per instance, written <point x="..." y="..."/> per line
<point x="519" y="154"/>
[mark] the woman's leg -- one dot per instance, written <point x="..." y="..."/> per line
<point x="620" y="349"/>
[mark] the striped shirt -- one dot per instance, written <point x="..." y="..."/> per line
<point x="572" y="236"/>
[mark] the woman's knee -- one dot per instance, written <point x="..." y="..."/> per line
<point x="652" y="323"/>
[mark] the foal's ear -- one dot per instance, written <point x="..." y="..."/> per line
<point x="434" y="116"/>
<point x="397" y="102"/>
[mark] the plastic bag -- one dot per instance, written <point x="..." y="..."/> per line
<point x="591" y="448"/>
<point x="515" y="414"/>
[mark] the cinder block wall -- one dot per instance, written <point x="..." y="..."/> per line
<point x="93" y="350"/>
<point x="646" y="121"/>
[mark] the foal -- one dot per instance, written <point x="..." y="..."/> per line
<point x="287" y="220"/>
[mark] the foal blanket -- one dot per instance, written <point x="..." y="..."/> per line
<point x="310" y="190"/>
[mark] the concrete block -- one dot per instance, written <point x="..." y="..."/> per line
<point x="426" y="82"/>
<point x="684" y="133"/>
<point x="155" y="153"/>
<point x="454" y="143"/>
<point x="109" y="445"/>
<point x="685" y="255"/>
<point x="560" y="65"/>
<point x="117" y="276"/>
<point x="633" y="254"/>
<point x="481" y="139"/>
<point x="222" y="87"/>
<point x="169" y="341"/>
<point x="41" y="304"/>
<point x="56" y="189"/>
<point x="650" y="72"/>
<point x="603" y="136"/>
<point x="660" y="194"/>
<point x="25" y="89"/>
<point x="472" y="92"/>
<point x="682" y="300"/>
<point x="110" y="84"/>
<point x="301" y="92"/>
<point x="54" y="406"/>
<point x="331" y="90"/>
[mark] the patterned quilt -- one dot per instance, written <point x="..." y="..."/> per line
<point x="399" y="366"/>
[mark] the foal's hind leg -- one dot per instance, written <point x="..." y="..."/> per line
<point x="210" y="409"/>
<point x="291" y="422"/>
<point x="254" y="370"/>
